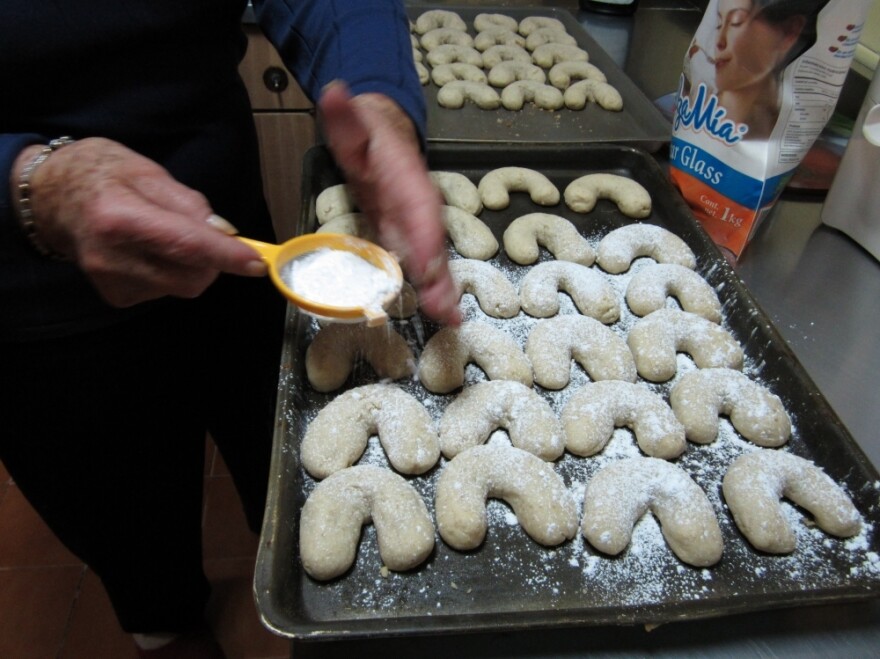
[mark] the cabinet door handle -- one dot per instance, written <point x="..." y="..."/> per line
<point x="275" y="79"/>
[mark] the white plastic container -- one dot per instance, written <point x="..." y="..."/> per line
<point x="853" y="202"/>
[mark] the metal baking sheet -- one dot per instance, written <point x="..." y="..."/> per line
<point x="639" y="124"/>
<point x="511" y="582"/>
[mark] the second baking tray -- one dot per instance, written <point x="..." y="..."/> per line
<point x="639" y="124"/>
<point x="511" y="582"/>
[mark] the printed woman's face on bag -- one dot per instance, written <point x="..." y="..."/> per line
<point x="750" y="48"/>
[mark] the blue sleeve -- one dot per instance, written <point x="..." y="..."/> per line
<point x="11" y="144"/>
<point x="365" y="43"/>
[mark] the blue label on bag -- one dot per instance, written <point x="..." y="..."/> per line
<point x="729" y="182"/>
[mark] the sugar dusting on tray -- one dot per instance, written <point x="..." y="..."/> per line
<point x="338" y="278"/>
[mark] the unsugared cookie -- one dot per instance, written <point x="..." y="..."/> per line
<point x="524" y="237"/>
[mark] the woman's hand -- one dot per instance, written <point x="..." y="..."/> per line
<point x="136" y="232"/>
<point x="375" y="144"/>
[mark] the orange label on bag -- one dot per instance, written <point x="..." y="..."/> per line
<point x="728" y="223"/>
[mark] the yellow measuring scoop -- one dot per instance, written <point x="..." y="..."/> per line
<point x="277" y="256"/>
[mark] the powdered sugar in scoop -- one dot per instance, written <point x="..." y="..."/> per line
<point x="338" y="278"/>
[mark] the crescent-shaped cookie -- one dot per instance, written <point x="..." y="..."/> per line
<point x="337" y="509"/>
<point x="524" y="237"/>
<point x="591" y="293"/>
<point x="442" y="36"/>
<point x="338" y="436"/>
<point x="566" y="72"/>
<point x="495" y="293"/>
<point x="606" y="96"/>
<point x="549" y="54"/>
<point x="656" y="339"/>
<point x="487" y="21"/>
<point x="483" y="408"/>
<point x="545" y="35"/>
<point x="593" y="411"/>
<point x="543" y="506"/>
<point x="458" y="190"/>
<point x="469" y="234"/>
<point x="619" y="494"/>
<point x="336" y="348"/>
<point x="485" y="39"/>
<point x="554" y="342"/>
<point x="451" y="349"/>
<point x="504" y="73"/>
<point x="437" y="18"/>
<point x="454" y="94"/>
<point x="497" y="184"/>
<point x="515" y="95"/>
<point x="650" y="287"/>
<point x="505" y="53"/>
<point x="353" y="224"/>
<point x="631" y="198"/>
<point x="445" y="73"/>
<point x="450" y="53"/>
<point x="531" y="23"/>
<point x="333" y="201"/>
<point x="754" y="485"/>
<point x="620" y="247"/>
<point x="699" y="397"/>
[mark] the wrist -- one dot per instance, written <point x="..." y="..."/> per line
<point x="26" y="168"/>
<point x="25" y="156"/>
<point x="384" y="113"/>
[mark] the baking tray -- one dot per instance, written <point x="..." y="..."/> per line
<point x="639" y="124"/>
<point x="511" y="582"/>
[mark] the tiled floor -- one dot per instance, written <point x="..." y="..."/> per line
<point x="53" y="607"/>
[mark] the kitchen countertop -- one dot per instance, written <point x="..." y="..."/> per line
<point x="821" y="291"/>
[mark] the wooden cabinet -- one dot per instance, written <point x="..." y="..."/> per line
<point x="285" y="127"/>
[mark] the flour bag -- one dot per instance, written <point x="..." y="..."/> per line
<point x="760" y="81"/>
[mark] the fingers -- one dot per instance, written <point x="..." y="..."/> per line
<point x="136" y="233"/>
<point x="438" y="296"/>
<point x="375" y="145"/>
<point x="158" y="254"/>
<point x="121" y="288"/>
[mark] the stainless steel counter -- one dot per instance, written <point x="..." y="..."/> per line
<point x="822" y="291"/>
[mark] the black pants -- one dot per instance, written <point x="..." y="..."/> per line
<point x="104" y="433"/>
